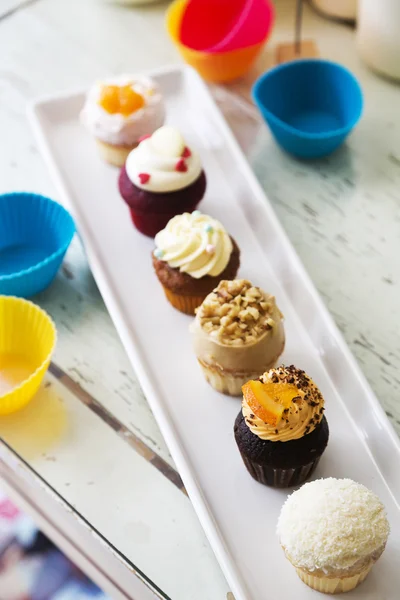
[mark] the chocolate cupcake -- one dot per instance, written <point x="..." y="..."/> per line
<point x="237" y="335"/>
<point x="281" y="431"/>
<point x="193" y="253"/>
<point x="161" y="178"/>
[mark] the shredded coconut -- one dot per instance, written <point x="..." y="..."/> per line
<point x="331" y="524"/>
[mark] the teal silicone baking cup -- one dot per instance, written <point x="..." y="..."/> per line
<point x="35" y="233"/>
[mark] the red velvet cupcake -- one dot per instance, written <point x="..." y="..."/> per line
<point x="161" y="178"/>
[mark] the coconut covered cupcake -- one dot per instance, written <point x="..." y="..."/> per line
<point x="281" y="431"/>
<point x="237" y="335"/>
<point x="162" y="177"/>
<point x="333" y="531"/>
<point x="119" y="112"/>
<point x="193" y="253"/>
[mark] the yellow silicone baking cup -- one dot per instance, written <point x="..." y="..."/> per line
<point x="27" y="341"/>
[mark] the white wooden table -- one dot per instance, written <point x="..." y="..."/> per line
<point x="86" y="457"/>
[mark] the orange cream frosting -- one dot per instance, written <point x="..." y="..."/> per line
<point x="283" y="405"/>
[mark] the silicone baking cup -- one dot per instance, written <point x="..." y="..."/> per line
<point x="35" y="233"/>
<point x="310" y="105"/>
<point x="27" y="341"/>
<point x="214" y="66"/>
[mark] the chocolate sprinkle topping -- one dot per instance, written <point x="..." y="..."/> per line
<point x="309" y="393"/>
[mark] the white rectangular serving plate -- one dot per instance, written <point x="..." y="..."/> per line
<point x="238" y="514"/>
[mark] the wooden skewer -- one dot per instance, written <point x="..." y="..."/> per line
<point x="298" y="48"/>
<point x="298" y="26"/>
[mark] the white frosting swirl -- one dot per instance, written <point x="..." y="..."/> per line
<point x="195" y="244"/>
<point x="171" y="166"/>
<point x="116" y="128"/>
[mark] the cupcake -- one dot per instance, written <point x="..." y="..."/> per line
<point x="281" y="431"/>
<point x="119" y="112"/>
<point x="333" y="531"/>
<point x="237" y="335"/>
<point x="162" y="178"/>
<point x="193" y="253"/>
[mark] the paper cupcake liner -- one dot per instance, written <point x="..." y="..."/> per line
<point x="333" y="585"/>
<point x="186" y="304"/>
<point x="114" y="155"/>
<point x="35" y="233"/>
<point x="226" y="382"/>
<point x="230" y="383"/>
<point x="280" y="478"/>
<point x="28" y="335"/>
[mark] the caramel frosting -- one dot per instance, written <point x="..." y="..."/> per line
<point x="195" y="244"/>
<point x="303" y="412"/>
<point x="239" y="329"/>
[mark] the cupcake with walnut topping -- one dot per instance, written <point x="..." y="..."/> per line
<point x="281" y="431"/>
<point x="237" y="334"/>
<point x="193" y="253"/>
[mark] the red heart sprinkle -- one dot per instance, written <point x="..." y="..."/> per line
<point x="144" y="177"/>
<point x="186" y="152"/>
<point x="144" y="137"/>
<point x="181" y="166"/>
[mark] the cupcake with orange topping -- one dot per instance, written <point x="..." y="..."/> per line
<point x="119" y="112"/>
<point x="281" y="431"/>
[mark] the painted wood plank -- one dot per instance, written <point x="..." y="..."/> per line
<point x="342" y="214"/>
<point x="124" y="496"/>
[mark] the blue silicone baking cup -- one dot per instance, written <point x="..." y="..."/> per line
<point x="310" y="105"/>
<point x="35" y="233"/>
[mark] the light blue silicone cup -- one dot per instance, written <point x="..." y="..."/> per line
<point x="310" y="105"/>
<point x="35" y="233"/>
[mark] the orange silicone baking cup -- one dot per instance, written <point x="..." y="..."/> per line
<point x="214" y="67"/>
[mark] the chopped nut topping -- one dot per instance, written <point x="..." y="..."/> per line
<point x="237" y="312"/>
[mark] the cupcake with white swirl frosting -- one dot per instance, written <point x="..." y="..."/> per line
<point x="161" y="178"/>
<point x="193" y="254"/>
